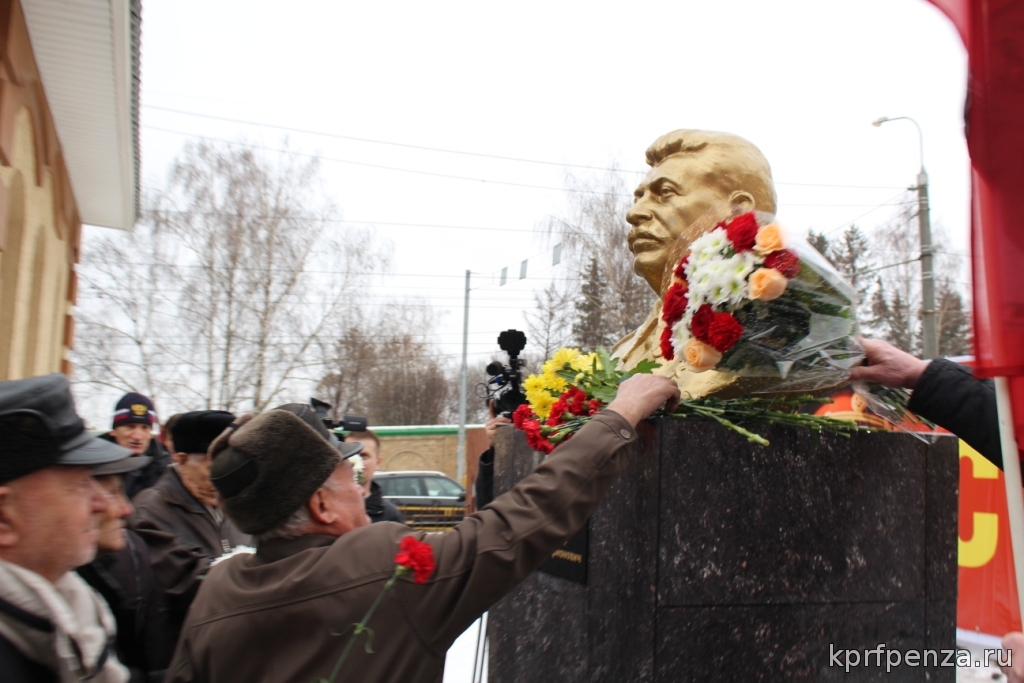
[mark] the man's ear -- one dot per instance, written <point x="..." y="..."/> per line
<point x="8" y="518"/>
<point x="179" y="458"/>
<point x="319" y="511"/>
<point x="743" y="200"/>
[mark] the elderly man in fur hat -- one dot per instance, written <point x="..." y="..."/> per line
<point x="319" y="563"/>
<point x="53" y="626"/>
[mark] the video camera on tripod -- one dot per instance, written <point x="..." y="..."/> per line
<point x="350" y="423"/>
<point x="504" y="385"/>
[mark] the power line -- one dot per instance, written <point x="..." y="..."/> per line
<point x="390" y="168"/>
<point x="431" y="173"/>
<point x="383" y="142"/>
<point x="462" y="152"/>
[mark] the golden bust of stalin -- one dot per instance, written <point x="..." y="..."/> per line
<point x="697" y="178"/>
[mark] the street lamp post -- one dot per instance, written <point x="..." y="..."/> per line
<point x="929" y="331"/>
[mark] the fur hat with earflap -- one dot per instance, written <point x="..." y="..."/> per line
<point x="266" y="467"/>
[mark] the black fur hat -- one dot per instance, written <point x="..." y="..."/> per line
<point x="268" y="467"/>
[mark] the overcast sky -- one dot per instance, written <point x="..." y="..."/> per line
<point x="570" y="84"/>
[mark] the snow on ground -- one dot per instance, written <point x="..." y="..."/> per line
<point x="458" y="667"/>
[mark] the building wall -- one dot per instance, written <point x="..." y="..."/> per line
<point x="406" y="450"/>
<point x="39" y="227"/>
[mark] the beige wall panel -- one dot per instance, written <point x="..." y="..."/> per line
<point x="36" y="307"/>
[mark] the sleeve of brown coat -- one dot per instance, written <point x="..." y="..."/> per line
<point x="492" y="550"/>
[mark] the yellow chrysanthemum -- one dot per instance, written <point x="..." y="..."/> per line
<point x="586" y="363"/>
<point x="541" y="403"/>
<point x="562" y="357"/>
<point x="533" y="383"/>
<point x="555" y="382"/>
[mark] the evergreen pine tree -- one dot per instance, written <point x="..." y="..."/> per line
<point x="589" y="329"/>
<point x="954" y="323"/>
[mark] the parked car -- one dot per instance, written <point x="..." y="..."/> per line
<point x="428" y="500"/>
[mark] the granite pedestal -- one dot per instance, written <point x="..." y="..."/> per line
<point x="713" y="559"/>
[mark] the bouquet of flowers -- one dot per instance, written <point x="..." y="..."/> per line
<point x="573" y="386"/>
<point x="748" y="299"/>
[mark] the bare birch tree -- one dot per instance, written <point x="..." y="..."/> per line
<point x="247" y="277"/>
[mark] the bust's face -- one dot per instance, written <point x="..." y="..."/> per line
<point x="673" y="195"/>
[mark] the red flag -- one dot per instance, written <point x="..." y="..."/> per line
<point x="993" y="33"/>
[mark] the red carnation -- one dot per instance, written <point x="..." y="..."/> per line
<point x="522" y="414"/>
<point x="724" y="332"/>
<point x="701" y="322"/>
<point x="675" y="305"/>
<point x="593" y="406"/>
<point x="680" y="271"/>
<point x="417" y="556"/>
<point x="535" y="439"/>
<point x="784" y="261"/>
<point x="558" y="409"/>
<point x="666" y="344"/>
<point x="577" y="400"/>
<point x="742" y="232"/>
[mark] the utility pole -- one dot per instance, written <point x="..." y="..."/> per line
<point x="460" y="457"/>
<point x="929" y="330"/>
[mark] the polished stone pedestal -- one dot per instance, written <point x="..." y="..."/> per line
<point x="713" y="559"/>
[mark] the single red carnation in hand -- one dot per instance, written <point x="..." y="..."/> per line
<point x="724" y="332"/>
<point x="784" y="261"/>
<point x="675" y="305"/>
<point x="680" y="271"/>
<point x="701" y="322"/>
<point x="417" y="556"/>
<point x="742" y="232"/>
<point x="522" y="414"/>
<point x="667" y="352"/>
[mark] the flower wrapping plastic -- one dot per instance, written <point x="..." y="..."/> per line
<point x="748" y="298"/>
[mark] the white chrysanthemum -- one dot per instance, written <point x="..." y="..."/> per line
<point x="358" y="466"/>
<point x="681" y="335"/>
<point x="709" y="246"/>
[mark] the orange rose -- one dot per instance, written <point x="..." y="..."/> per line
<point x="769" y="239"/>
<point x="700" y="356"/>
<point x="767" y="284"/>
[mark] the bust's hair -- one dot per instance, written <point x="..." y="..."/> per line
<point x="737" y="163"/>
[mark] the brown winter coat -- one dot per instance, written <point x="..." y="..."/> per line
<point x="269" y="616"/>
<point x="183" y="537"/>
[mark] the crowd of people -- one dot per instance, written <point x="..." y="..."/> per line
<point x="233" y="547"/>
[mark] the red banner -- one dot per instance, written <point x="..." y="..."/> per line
<point x="993" y="33"/>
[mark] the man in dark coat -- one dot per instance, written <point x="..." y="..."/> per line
<point x="320" y="564"/>
<point x="53" y="627"/>
<point x="943" y="391"/>
<point x="377" y="509"/>
<point x="121" y="573"/>
<point x="132" y="428"/>
<point x="180" y="517"/>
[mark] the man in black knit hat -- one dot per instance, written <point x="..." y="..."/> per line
<point x="180" y="517"/>
<point x="132" y="428"/>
